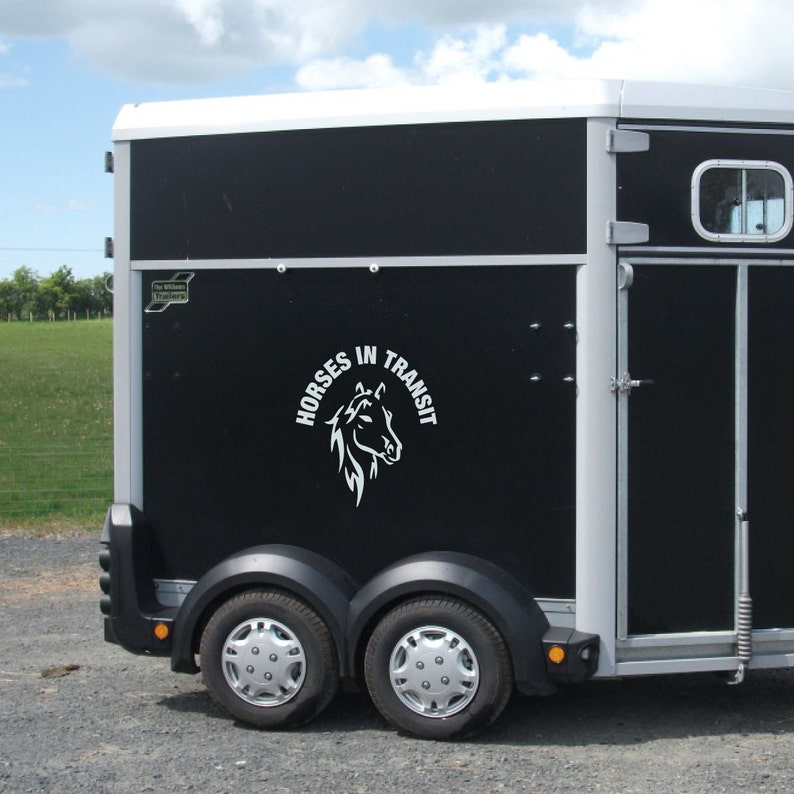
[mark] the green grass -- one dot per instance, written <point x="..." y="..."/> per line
<point x="56" y="424"/>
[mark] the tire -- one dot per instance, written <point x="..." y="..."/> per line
<point x="436" y="668"/>
<point x="269" y="660"/>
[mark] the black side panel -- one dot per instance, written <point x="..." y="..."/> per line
<point x="243" y="381"/>
<point x="771" y="445"/>
<point x="654" y="186"/>
<point x="440" y="189"/>
<point x="681" y="449"/>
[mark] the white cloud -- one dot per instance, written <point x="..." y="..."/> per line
<point x="376" y="71"/>
<point x="540" y="56"/>
<point x="78" y="205"/>
<point x="205" y="18"/>
<point x="72" y="205"/>
<point x="711" y="41"/>
<point x="181" y="41"/>
<point x="6" y="81"/>
<point x="464" y="60"/>
<point x="173" y="41"/>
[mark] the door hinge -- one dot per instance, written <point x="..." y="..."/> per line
<point x="109" y="163"/>
<point x="627" y="141"/>
<point x="109" y="253"/>
<point x="627" y="233"/>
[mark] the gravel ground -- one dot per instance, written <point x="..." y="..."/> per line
<point x="78" y="714"/>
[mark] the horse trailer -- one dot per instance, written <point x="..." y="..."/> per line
<point x="443" y="394"/>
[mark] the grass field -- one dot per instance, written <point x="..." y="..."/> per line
<point x="56" y="424"/>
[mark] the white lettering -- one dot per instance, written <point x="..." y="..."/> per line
<point x="367" y="355"/>
<point x="309" y="403"/>
<point x="313" y="390"/>
<point x="343" y="361"/>
<point x="317" y="388"/>
<point x="323" y="378"/>
<point x="408" y="378"/>
<point x="390" y="356"/>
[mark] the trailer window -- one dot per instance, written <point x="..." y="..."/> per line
<point x="741" y="201"/>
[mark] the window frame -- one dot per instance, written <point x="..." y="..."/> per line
<point x="743" y="165"/>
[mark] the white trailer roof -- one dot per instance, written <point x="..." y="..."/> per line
<point x="427" y="104"/>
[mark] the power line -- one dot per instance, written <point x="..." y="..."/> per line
<point x="54" y="250"/>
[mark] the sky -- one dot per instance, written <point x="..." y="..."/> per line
<point x="67" y="67"/>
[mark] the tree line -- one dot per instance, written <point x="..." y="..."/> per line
<point x="58" y="296"/>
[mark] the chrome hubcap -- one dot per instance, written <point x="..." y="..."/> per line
<point x="264" y="662"/>
<point x="434" y="671"/>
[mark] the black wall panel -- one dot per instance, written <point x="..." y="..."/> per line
<point x="654" y="187"/>
<point x="487" y="467"/>
<point x="442" y="189"/>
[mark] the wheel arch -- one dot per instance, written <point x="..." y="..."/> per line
<point x="318" y="581"/>
<point x="489" y="588"/>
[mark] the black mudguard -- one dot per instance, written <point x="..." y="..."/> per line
<point x="497" y="594"/>
<point x="314" y="579"/>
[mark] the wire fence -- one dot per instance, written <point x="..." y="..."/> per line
<point x="55" y="481"/>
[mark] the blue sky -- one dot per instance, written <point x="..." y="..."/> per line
<point x="57" y="116"/>
<point x="67" y="66"/>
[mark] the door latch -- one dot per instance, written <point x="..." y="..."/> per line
<point x="625" y="383"/>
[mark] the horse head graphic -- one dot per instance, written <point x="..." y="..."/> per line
<point x="361" y="434"/>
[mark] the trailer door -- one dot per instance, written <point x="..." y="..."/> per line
<point x="706" y="446"/>
<point x="678" y="439"/>
<point x="770" y="445"/>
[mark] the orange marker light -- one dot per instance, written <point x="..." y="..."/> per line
<point x="161" y="631"/>
<point x="556" y="654"/>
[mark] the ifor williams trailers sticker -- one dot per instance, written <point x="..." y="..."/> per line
<point x="174" y="290"/>
<point x="364" y="433"/>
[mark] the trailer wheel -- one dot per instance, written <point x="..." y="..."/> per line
<point x="269" y="660"/>
<point x="436" y="668"/>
